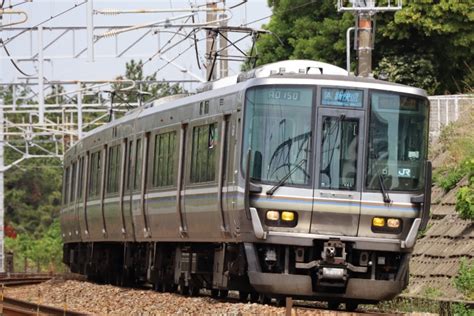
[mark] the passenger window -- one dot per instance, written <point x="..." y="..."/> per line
<point x="339" y="153"/>
<point x="164" y="160"/>
<point x="113" y="169"/>
<point x="138" y="165"/>
<point x="66" y="186"/>
<point x="203" y="158"/>
<point x="129" y="165"/>
<point x="72" y="185"/>
<point x="80" y="177"/>
<point x="95" y="173"/>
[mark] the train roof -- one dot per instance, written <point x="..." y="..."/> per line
<point x="291" y="70"/>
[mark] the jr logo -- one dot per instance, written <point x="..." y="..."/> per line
<point x="403" y="172"/>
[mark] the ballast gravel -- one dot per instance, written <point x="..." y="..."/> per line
<point x="97" y="299"/>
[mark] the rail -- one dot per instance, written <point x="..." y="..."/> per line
<point x="11" y="306"/>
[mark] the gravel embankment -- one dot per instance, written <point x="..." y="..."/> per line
<point x="111" y="300"/>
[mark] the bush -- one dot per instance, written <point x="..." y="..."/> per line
<point x="464" y="281"/>
<point x="465" y="195"/>
<point x="448" y="179"/>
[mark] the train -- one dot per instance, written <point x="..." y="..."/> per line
<point x="294" y="179"/>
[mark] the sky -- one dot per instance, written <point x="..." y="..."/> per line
<point x="59" y="64"/>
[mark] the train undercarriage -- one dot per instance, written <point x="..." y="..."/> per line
<point x="329" y="271"/>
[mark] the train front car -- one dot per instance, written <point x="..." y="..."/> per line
<point x="336" y="171"/>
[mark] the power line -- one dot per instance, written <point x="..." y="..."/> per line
<point x="284" y="11"/>
<point x="8" y="40"/>
<point x="12" y="61"/>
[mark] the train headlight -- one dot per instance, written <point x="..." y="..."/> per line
<point x="378" y="222"/>
<point x="287" y="216"/>
<point x="393" y="223"/>
<point x="273" y="215"/>
<point x="387" y="225"/>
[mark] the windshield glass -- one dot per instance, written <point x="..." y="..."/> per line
<point x="278" y="131"/>
<point x="398" y="135"/>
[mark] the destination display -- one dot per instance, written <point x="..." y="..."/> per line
<point x="285" y="96"/>
<point x="341" y="97"/>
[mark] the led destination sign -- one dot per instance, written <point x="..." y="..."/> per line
<point x="341" y="97"/>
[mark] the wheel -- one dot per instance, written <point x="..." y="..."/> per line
<point x="243" y="296"/>
<point x="333" y="305"/>
<point x="281" y="301"/>
<point x="264" y="299"/>
<point x="183" y="289"/>
<point x="194" y="290"/>
<point x="254" y="297"/>
<point x="158" y="286"/>
<point x="223" y="293"/>
<point x="215" y="293"/>
<point x="351" y="306"/>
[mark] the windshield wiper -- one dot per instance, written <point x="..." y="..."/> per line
<point x="283" y="180"/>
<point x="386" y="197"/>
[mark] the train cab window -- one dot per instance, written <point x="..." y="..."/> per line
<point x="398" y="141"/>
<point x="95" y="174"/>
<point x="338" y="169"/>
<point x="138" y="165"/>
<point x="113" y="169"/>
<point x="72" y="190"/>
<point x="164" y="160"/>
<point x="278" y="131"/>
<point x="203" y="157"/>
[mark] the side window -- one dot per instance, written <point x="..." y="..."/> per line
<point x="80" y="178"/>
<point x="203" y="158"/>
<point x="72" y="186"/>
<point x="138" y="165"/>
<point x="164" y="160"/>
<point x="129" y="165"/>
<point x="95" y="172"/>
<point x="66" y="185"/>
<point x="113" y="169"/>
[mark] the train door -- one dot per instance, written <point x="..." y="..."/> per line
<point x="127" y="189"/>
<point x="337" y="193"/>
<point x="203" y="217"/>
<point x="138" y="186"/>
<point x="78" y="202"/>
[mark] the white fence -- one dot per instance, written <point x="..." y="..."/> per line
<point x="446" y="109"/>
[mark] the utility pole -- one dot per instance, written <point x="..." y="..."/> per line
<point x="223" y="63"/>
<point x="210" y="41"/>
<point x="2" y="197"/>
<point x="364" y="45"/>
<point x="364" y="12"/>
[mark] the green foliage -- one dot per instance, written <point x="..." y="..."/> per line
<point x="33" y="195"/>
<point x="146" y="90"/>
<point x="413" y="70"/>
<point x="44" y="253"/>
<point x="465" y="195"/>
<point x="431" y="292"/>
<point x="429" y="43"/>
<point x="464" y="281"/>
<point x="459" y="309"/>
<point x="448" y="178"/>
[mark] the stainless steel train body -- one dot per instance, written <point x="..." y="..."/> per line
<point x="276" y="183"/>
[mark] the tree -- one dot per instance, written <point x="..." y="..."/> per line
<point x="147" y="90"/>
<point x="433" y="40"/>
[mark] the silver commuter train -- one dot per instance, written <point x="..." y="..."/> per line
<point x="293" y="179"/>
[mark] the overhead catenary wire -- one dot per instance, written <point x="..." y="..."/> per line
<point x="9" y="39"/>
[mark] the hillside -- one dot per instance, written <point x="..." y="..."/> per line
<point x="448" y="242"/>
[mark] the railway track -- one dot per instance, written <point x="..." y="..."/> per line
<point x="11" y="306"/>
<point x="15" y="279"/>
